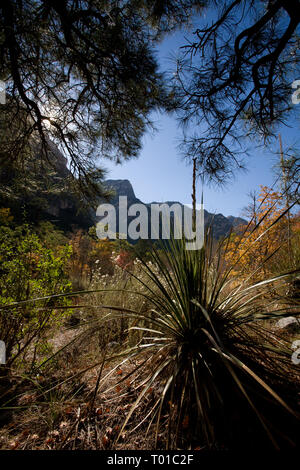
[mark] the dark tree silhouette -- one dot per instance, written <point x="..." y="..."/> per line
<point x="234" y="79"/>
<point x="82" y="73"/>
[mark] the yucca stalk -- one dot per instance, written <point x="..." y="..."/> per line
<point x="207" y="344"/>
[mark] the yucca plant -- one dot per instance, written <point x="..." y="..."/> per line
<point x="223" y="375"/>
<point x="208" y="366"/>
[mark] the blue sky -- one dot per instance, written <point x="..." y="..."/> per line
<point x="160" y="174"/>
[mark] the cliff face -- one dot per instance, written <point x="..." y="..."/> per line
<point x="220" y="224"/>
<point x="122" y="188"/>
<point x="40" y="191"/>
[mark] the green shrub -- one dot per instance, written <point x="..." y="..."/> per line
<point x="28" y="270"/>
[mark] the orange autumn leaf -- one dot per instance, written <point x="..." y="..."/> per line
<point x="268" y="228"/>
<point x="25" y="433"/>
<point x="68" y="410"/>
<point x="50" y="440"/>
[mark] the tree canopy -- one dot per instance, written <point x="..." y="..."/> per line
<point x="234" y="78"/>
<point x="82" y="73"/>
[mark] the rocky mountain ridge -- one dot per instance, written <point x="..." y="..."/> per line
<point x="221" y="225"/>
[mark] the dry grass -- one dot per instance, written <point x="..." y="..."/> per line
<point x="66" y="403"/>
<point x="56" y="408"/>
<point x="68" y="417"/>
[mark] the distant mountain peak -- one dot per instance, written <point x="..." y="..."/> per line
<point x="122" y="188"/>
<point x="221" y="225"/>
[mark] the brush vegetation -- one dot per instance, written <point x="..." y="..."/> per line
<point x="167" y="348"/>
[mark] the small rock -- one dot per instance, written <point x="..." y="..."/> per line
<point x="289" y="324"/>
